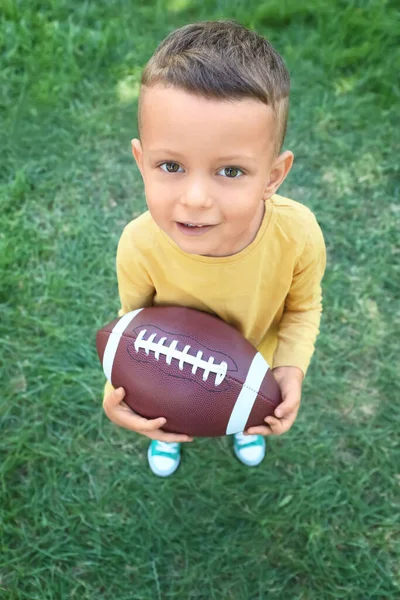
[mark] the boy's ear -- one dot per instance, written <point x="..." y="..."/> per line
<point x="138" y="154"/>
<point x="279" y="170"/>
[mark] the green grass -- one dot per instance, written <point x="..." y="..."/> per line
<point x="81" y="515"/>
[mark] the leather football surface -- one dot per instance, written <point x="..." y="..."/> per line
<point x="190" y="367"/>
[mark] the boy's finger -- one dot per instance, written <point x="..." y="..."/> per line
<point x="288" y="406"/>
<point x="164" y="436"/>
<point x="114" y="398"/>
<point x="148" y="425"/>
<point x="259" y="430"/>
<point x="279" y="426"/>
<point x="273" y="422"/>
<point x="130" y="420"/>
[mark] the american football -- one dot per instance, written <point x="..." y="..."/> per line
<point x="190" y="367"/>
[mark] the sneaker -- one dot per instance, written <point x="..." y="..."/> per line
<point x="250" y="449"/>
<point x="164" y="457"/>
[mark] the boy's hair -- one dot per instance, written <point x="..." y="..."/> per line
<point x="221" y="59"/>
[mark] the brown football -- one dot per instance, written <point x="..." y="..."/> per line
<point x="190" y="367"/>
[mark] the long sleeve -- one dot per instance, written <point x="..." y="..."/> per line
<point x="299" y="326"/>
<point x="135" y="288"/>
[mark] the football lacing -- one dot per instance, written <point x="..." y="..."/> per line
<point x="182" y="355"/>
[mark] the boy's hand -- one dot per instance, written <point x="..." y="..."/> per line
<point x="290" y="381"/>
<point x="120" y="414"/>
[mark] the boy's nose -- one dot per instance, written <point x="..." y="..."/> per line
<point x="196" y="196"/>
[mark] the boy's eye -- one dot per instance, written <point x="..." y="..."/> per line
<point x="170" y="163"/>
<point x="233" y="170"/>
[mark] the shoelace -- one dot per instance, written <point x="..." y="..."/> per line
<point x="170" y="447"/>
<point x="245" y="439"/>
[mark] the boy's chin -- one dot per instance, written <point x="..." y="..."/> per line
<point x="190" y="244"/>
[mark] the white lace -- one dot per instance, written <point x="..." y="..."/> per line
<point x="182" y="355"/>
<point x="244" y="439"/>
<point x="170" y="447"/>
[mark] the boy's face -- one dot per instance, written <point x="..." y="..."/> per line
<point x="210" y="163"/>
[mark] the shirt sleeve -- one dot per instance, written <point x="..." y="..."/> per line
<point x="135" y="287"/>
<point x="299" y="326"/>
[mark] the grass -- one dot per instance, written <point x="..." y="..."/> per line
<point x="81" y="515"/>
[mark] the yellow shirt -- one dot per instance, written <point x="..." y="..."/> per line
<point x="270" y="291"/>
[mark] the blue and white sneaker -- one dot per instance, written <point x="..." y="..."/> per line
<point x="250" y="449"/>
<point x="164" y="457"/>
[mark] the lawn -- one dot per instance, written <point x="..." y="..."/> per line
<point x="81" y="515"/>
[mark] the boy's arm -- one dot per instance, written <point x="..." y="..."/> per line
<point x="136" y="290"/>
<point x="299" y="326"/>
<point x="297" y="333"/>
<point x="135" y="287"/>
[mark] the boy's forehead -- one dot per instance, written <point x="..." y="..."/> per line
<point x="173" y="119"/>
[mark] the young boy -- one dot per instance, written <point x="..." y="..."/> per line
<point x="216" y="237"/>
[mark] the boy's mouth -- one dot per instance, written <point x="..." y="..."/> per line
<point x="193" y="228"/>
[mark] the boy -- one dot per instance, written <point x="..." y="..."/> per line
<point x="216" y="237"/>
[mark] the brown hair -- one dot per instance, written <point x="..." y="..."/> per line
<point x="221" y="59"/>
